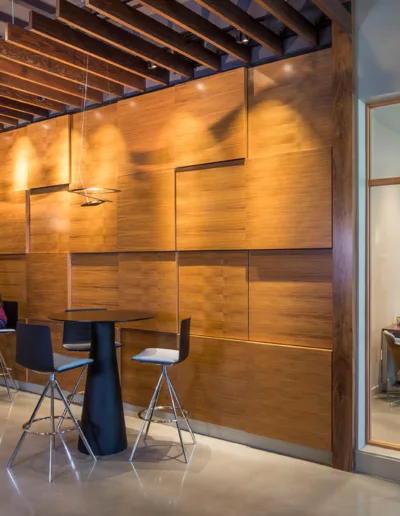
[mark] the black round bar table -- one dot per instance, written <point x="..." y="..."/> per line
<point x="103" y="421"/>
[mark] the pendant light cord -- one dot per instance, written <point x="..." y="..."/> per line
<point x="83" y="117"/>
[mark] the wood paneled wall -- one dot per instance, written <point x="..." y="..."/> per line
<point x="224" y="214"/>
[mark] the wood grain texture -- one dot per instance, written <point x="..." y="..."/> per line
<point x="146" y="211"/>
<point x="50" y="165"/>
<point x="337" y="13"/>
<point x="16" y="152"/>
<point x="291" y="297"/>
<point x="16" y="114"/>
<point x="210" y="122"/>
<point x="31" y="99"/>
<point x="8" y="349"/>
<point x="49" y="220"/>
<point x="13" y="280"/>
<point x="211" y="208"/>
<point x="94" y="280"/>
<point x="290" y="105"/>
<point x="213" y="290"/>
<point x="7" y="120"/>
<point x="289" y="201"/>
<point x="23" y="107"/>
<point x="47" y="284"/>
<point x="148" y="282"/>
<point x="343" y="254"/>
<point x="13" y="223"/>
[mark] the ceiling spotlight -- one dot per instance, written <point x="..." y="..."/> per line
<point x="242" y="38"/>
<point x="41" y="99"/>
<point x="151" y="66"/>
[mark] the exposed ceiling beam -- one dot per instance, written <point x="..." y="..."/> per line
<point x="288" y="15"/>
<point x="37" y="5"/>
<point x="60" y="33"/>
<point x="33" y="100"/>
<point x="22" y="106"/>
<point x="235" y="16"/>
<point x="39" y="89"/>
<point x="139" y="22"/>
<point x="34" y="76"/>
<point x="58" y="52"/>
<point x="193" y="22"/>
<point x="1" y="127"/>
<point x="59" y="71"/>
<point x="337" y="13"/>
<point x="109" y="33"/>
<point x="16" y="114"/>
<point x="8" y="120"/>
<point x="7" y="18"/>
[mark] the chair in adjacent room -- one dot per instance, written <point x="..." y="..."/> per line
<point x="35" y="352"/>
<point x="11" y="311"/>
<point x="393" y="345"/>
<point x="165" y="358"/>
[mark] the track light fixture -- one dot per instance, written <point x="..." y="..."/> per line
<point x="151" y="66"/>
<point x="242" y="38"/>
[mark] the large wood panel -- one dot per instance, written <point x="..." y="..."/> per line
<point x="291" y="297"/>
<point x="290" y="105"/>
<point x="13" y="223"/>
<point x="148" y="281"/>
<point x="47" y="284"/>
<point x="94" y="280"/>
<point x="210" y="122"/>
<point x="213" y="290"/>
<point x="49" y="220"/>
<point x="13" y="281"/>
<point x="146" y="211"/>
<point x="16" y="152"/>
<point x="289" y="203"/>
<point x="50" y="140"/>
<point x="211" y="208"/>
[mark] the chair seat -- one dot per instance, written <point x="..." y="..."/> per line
<point x="64" y="363"/>
<point x="83" y="347"/>
<point x="158" y="356"/>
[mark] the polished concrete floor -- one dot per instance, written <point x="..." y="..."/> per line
<point x="221" y="479"/>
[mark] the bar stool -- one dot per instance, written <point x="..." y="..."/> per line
<point x="11" y="311"/>
<point x="78" y="337"/>
<point x="35" y="352"/>
<point x="165" y="358"/>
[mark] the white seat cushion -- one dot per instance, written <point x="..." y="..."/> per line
<point x="158" y="356"/>
<point x="7" y="330"/>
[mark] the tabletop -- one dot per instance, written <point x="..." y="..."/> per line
<point x="101" y="316"/>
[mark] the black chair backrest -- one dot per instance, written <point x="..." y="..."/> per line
<point x="78" y="332"/>
<point x="184" y="339"/>
<point x="34" y="347"/>
<point x="11" y="310"/>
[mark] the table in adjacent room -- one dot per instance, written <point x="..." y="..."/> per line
<point x="102" y="419"/>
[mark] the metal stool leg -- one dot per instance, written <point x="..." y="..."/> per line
<point x="4" y="374"/>
<point x="28" y="426"/>
<point x="8" y="372"/>
<point x="149" y="410"/>
<point x="73" y="394"/>
<point x="174" y="410"/>
<point x="152" y="411"/>
<point x="181" y="410"/>
<point x="52" y="427"/>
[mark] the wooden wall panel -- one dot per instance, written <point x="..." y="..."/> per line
<point x="146" y="126"/>
<point x="49" y="220"/>
<point x="210" y="122"/>
<point x="50" y="164"/>
<point x="94" y="280"/>
<point x="291" y="297"/>
<point x="211" y="208"/>
<point x="13" y="223"/>
<point x="146" y="211"/>
<point x="290" y="105"/>
<point x="13" y="281"/>
<point x="148" y="281"/>
<point x="213" y="290"/>
<point x="289" y="203"/>
<point x="47" y="284"/>
<point x="16" y="153"/>
<point x="8" y="348"/>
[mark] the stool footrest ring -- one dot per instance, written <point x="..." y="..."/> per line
<point x="142" y="414"/>
<point x="47" y="418"/>
<point x="76" y="402"/>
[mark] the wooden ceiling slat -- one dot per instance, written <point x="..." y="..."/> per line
<point x="8" y="120"/>
<point x="235" y="16"/>
<point x="59" y="70"/>
<point x="193" y="22"/>
<point x="337" y="13"/>
<point x="139" y="22"/>
<point x="1" y="128"/>
<point x="30" y="74"/>
<point x="120" y="38"/>
<point x="24" y="107"/>
<point x="288" y="15"/>
<point x="38" y="89"/>
<point x="7" y="18"/>
<point x="58" y="52"/>
<point x="58" y="32"/>
<point x="33" y="100"/>
<point x="37" y="5"/>
<point x="16" y="114"/>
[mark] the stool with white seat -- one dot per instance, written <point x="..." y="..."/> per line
<point x="165" y="358"/>
<point x="11" y="311"/>
<point x="35" y="352"/>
